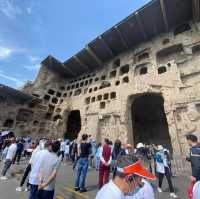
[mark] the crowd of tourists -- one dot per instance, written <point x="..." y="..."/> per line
<point x="132" y="169"/>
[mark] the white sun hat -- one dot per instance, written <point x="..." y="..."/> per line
<point x="140" y="145"/>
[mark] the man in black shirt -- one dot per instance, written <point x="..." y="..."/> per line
<point x="82" y="165"/>
<point x="194" y="157"/>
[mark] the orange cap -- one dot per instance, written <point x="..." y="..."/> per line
<point x="137" y="169"/>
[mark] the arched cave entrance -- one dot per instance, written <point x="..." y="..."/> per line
<point x="8" y="123"/>
<point x="73" y="125"/>
<point x="149" y="120"/>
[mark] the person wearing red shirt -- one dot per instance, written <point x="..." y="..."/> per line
<point x="105" y="161"/>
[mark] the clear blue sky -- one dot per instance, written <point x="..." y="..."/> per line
<point x="30" y="30"/>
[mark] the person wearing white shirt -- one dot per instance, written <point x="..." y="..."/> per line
<point x="67" y="152"/>
<point x="163" y="169"/>
<point x="126" y="179"/>
<point x="9" y="158"/>
<point x="36" y="163"/>
<point x="111" y="191"/>
<point x="62" y="149"/>
<point x="146" y="192"/>
<point x="48" y="172"/>
<point x="4" y="153"/>
<point x="38" y="148"/>
<point x="196" y="190"/>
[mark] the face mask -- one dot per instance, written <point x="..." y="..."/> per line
<point x="137" y="188"/>
<point x="135" y="191"/>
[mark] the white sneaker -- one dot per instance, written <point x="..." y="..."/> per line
<point x="159" y="190"/>
<point x="26" y="189"/>
<point x="173" y="195"/>
<point x="4" y="178"/>
<point x="19" y="189"/>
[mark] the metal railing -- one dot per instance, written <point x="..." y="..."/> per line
<point x="179" y="165"/>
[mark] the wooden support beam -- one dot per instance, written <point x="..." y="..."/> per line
<point x="54" y="62"/>
<point x="89" y="50"/>
<point x="162" y="4"/>
<point x="68" y="70"/>
<point x="81" y="63"/>
<point x="141" y="27"/>
<point x="122" y="37"/>
<point x="196" y="10"/>
<point x="107" y="46"/>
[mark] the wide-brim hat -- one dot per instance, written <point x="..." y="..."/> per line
<point x="140" y="145"/>
<point x="137" y="169"/>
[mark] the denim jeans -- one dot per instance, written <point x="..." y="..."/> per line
<point x="43" y="194"/>
<point x="97" y="163"/>
<point x="7" y="165"/>
<point x="33" y="192"/>
<point x="81" y="172"/>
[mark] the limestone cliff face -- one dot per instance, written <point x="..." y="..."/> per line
<point x="102" y="103"/>
<point x="44" y="79"/>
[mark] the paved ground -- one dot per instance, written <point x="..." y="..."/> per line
<point x="65" y="181"/>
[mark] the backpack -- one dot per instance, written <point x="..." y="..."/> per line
<point x="115" y="157"/>
<point x="159" y="158"/>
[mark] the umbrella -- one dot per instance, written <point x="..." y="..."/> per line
<point x="6" y="133"/>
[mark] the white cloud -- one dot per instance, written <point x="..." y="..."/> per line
<point x="34" y="67"/>
<point x="5" y="52"/>
<point x="29" y="10"/>
<point x="33" y="59"/>
<point x="18" y="82"/>
<point x="34" y="63"/>
<point x="9" y="8"/>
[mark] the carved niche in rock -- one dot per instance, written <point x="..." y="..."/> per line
<point x="105" y="84"/>
<point x="24" y="115"/>
<point x="8" y="123"/>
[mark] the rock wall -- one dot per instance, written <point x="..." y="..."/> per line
<point x="167" y="66"/>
